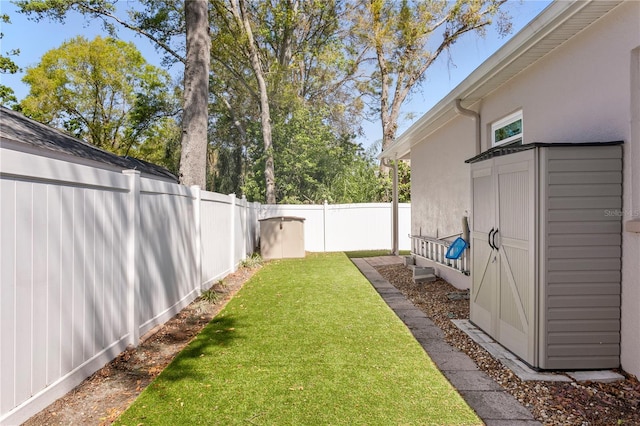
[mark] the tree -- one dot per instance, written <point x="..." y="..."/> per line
<point x="102" y="91"/>
<point x="163" y="22"/>
<point x="360" y="181"/>
<point x="385" y="185"/>
<point x="282" y="56"/>
<point x="243" y="22"/>
<point x="298" y="52"/>
<point x="7" y="66"/>
<point x="317" y="163"/>
<point x="405" y="38"/>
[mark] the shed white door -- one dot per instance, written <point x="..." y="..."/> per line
<point x="503" y="294"/>
<point x="516" y="216"/>
<point x="483" y="271"/>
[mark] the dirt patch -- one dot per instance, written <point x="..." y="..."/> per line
<point x="101" y="398"/>
<point x="552" y="403"/>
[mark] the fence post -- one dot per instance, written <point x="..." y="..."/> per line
<point x="255" y="224"/>
<point x="133" y="240"/>
<point x="232" y="230"/>
<point x="245" y="228"/>
<point x="325" y="206"/>
<point x="195" y="192"/>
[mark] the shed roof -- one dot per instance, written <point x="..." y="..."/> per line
<point x="18" y="129"/>
<point x="557" y="23"/>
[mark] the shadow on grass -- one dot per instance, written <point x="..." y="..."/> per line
<point x="221" y="332"/>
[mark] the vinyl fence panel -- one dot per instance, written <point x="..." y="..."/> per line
<point x="215" y="223"/>
<point x="343" y="227"/>
<point x="239" y="232"/>
<point x="355" y="226"/>
<point x="61" y="309"/>
<point x="167" y="252"/>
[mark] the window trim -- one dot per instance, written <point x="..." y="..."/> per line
<point x="503" y="122"/>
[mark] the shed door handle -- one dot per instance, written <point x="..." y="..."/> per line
<point x="489" y="239"/>
<point x="495" y="246"/>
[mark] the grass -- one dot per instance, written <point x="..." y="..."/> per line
<point x="373" y="253"/>
<point x="305" y="342"/>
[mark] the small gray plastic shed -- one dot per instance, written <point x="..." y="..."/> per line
<point x="546" y="252"/>
<point x="282" y="237"/>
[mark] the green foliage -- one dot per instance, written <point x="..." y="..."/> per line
<point x="157" y="134"/>
<point x="385" y="188"/>
<point x="58" y="9"/>
<point x="7" y="66"/>
<point x="252" y="261"/>
<point x="358" y="181"/>
<point x="307" y="72"/>
<point x="104" y="92"/>
<point x="211" y="296"/>
<point x="314" y="164"/>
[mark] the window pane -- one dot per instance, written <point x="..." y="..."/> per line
<point x="511" y="129"/>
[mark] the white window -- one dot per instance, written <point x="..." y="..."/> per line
<point x="507" y="130"/>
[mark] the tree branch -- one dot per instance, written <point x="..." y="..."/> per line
<point x="163" y="45"/>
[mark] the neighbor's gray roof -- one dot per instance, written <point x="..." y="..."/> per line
<point x="557" y="23"/>
<point x="18" y="128"/>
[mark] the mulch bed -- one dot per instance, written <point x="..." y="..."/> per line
<point x="552" y="403"/>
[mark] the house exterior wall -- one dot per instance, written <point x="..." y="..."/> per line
<point x="440" y="179"/>
<point x="583" y="91"/>
<point x="578" y="92"/>
<point x="630" y="324"/>
<point x="440" y="188"/>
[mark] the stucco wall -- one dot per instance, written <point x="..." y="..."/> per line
<point x="631" y="241"/>
<point x="440" y="180"/>
<point x="580" y="92"/>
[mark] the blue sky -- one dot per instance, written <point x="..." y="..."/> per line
<point x="35" y="38"/>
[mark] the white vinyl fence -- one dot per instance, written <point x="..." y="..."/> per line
<point x="344" y="227"/>
<point x="92" y="259"/>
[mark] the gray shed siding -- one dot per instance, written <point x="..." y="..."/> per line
<point x="580" y="229"/>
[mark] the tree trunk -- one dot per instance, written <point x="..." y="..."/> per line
<point x="269" y="169"/>
<point x="240" y="13"/>
<point x="193" y="158"/>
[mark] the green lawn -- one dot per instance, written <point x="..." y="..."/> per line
<point x="373" y="253"/>
<point x="305" y="342"/>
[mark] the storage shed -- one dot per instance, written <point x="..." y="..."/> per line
<point x="546" y="252"/>
<point x="282" y="237"/>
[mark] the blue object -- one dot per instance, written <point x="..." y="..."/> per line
<point x="456" y="249"/>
